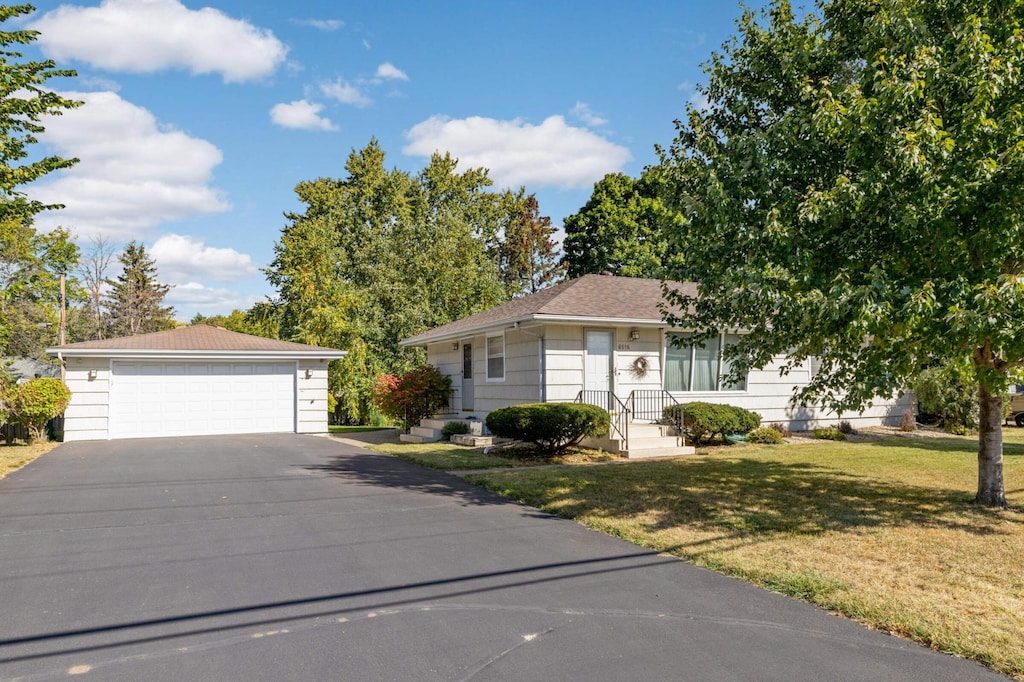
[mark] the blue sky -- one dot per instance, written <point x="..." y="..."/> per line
<point x="201" y="118"/>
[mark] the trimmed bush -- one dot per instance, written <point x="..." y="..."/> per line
<point x="765" y="435"/>
<point x="552" y="427"/>
<point x="701" y="422"/>
<point x="34" y="403"/>
<point x="452" y="428"/>
<point x="829" y="433"/>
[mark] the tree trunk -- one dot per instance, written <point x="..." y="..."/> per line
<point x="990" y="448"/>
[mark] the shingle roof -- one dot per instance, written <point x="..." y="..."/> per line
<point x="589" y="296"/>
<point x="200" y="337"/>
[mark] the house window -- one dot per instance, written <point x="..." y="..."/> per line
<point x="688" y="367"/>
<point x="496" y="358"/>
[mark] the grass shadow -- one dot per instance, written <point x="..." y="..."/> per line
<point x="744" y="497"/>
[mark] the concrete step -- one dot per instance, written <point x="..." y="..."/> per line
<point x="652" y="442"/>
<point x="648" y="430"/>
<point x="436" y="423"/>
<point x="471" y="440"/>
<point x="409" y="438"/>
<point x="425" y="431"/>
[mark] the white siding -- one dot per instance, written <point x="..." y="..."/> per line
<point x="87" y="415"/>
<point x="311" y="409"/>
<point x="766" y="393"/>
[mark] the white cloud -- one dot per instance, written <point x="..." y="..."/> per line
<point x="143" y="36"/>
<point x="552" y="154"/>
<point x="366" y="44"/>
<point x="190" y="297"/>
<point x="134" y="173"/>
<point x="345" y="93"/>
<point x="180" y="258"/>
<point x="582" y="112"/>
<point x="301" y="114"/>
<point x="389" y="71"/>
<point x="320" y="24"/>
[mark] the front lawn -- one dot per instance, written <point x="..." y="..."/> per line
<point x="448" y="457"/>
<point x="881" y="531"/>
<point x="19" y="454"/>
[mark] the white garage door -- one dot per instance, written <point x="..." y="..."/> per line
<point x="201" y="398"/>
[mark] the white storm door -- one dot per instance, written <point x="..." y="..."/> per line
<point x="597" y="374"/>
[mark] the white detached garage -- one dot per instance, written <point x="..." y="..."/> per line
<point x="193" y="381"/>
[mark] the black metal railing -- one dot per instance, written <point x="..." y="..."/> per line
<point x="449" y="408"/>
<point x="650" y="405"/>
<point x="619" y="412"/>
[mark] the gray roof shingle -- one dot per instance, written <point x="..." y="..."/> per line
<point x="200" y="337"/>
<point x="593" y="296"/>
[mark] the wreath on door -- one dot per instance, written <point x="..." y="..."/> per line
<point x="640" y="367"/>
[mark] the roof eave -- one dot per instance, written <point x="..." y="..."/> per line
<point x="423" y="340"/>
<point x="156" y="354"/>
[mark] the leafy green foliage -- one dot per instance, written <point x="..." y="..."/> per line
<point x="527" y="259"/>
<point x="950" y="393"/>
<point x="417" y="394"/>
<point x="765" y="435"/>
<point x="829" y="433"/>
<point x="851" y="192"/>
<point x="619" y="230"/>
<point x="34" y="402"/>
<point x="552" y="427"/>
<point x="25" y="100"/>
<point x="702" y="421"/>
<point x="453" y="428"/>
<point x="136" y="296"/>
<point x="351" y="379"/>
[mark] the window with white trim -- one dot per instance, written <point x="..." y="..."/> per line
<point x="690" y="368"/>
<point x="496" y="358"/>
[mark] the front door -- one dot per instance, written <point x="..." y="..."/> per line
<point x="597" y="374"/>
<point x="467" y="376"/>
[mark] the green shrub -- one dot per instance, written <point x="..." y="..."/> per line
<point x="452" y="428"/>
<point x="34" y="403"/>
<point x="829" y="433"/>
<point x="781" y="428"/>
<point x="766" y="436"/>
<point x="703" y="421"/>
<point x="950" y="393"/>
<point x="552" y="427"/>
<point x="415" y="395"/>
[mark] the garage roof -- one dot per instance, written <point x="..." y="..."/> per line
<point x="199" y="340"/>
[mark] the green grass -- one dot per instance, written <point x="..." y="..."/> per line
<point x="882" y="531"/>
<point x="448" y="457"/>
<point x="354" y="429"/>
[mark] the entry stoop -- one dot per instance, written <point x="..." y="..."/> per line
<point x="645" y="441"/>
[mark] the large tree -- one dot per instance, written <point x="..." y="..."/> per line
<point x="24" y="102"/>
<point x="619" y="230"/>
<point x="853" y="191"/>
<point x="30" y="263"/>
<point x="527" y="254"/>
<point x="135" y="300"/>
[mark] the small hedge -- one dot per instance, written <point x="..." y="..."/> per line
<point x="452" y="428"/>
<point x="829" y="433"/>
<point x="701" y="422"/>
<point x="552" y="427"/>
<point x="765" y="435"/>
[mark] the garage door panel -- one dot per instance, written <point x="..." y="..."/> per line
<point x="201" y="398"/>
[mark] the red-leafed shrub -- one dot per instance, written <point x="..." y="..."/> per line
<point x="416" y="394"/>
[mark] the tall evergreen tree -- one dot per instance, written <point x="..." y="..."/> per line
<point x="136" y="296"/>
<point x="528" y="259"/>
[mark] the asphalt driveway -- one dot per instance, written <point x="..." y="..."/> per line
<point x="301" y="558"/>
